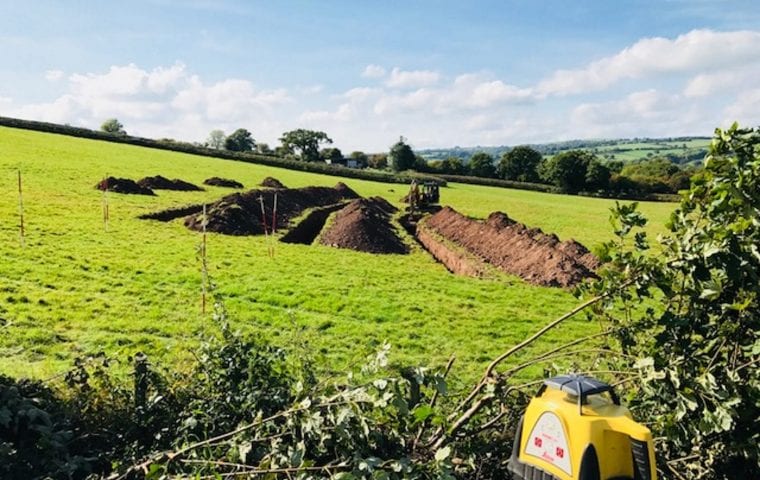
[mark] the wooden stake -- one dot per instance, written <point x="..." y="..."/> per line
<point x="106" y="215"/>
<point x="264" y="224"/>
<point x="274" y="222"/>
<point x="204" y="266"/>
<point x="274" y="214"/>
<point x="21" y="212"/>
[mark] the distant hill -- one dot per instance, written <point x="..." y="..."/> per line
<point x="678" y="149"/>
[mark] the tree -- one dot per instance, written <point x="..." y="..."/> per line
<point x="520" y="164"/>
<point x="567" y="170"/>
<point x="263" y="148"/>
<point x="453" y="166"/>
<point x="240" y="141"/>
<point x="360" y="158"/>
<point x="305" y="143"/>
<point x="481" y="165"/>
<point x="378" y="161"/>
<point x="420" y="164"/>
<point x="686" y="316"/>
<point x="401" y="156"/>
<point x="113" y="126"/>
<point x="332" y="155"/>
<point x="216" y="139"/>
<point x="597" y="176"/>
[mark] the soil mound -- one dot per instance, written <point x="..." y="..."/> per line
<point x="171" y="213"/>
<point x="529" y="253"/>
<point x="123" y="185"/>
<point x="346" y="191"/>
<point x="308" y="229"/>
<point x="499" y="220"/>
<point x="228" y="217"/>
<point x="241" y="213"/>
<point x="222" y="182"/>
<point x="364" y="225"/>
<point x="162" y="183"/>
<point x="271" y="182"/>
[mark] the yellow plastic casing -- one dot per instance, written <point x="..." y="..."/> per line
<point x="599" y="422"/>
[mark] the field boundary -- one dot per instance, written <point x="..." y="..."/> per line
<point x="311" y="167"/>
<point x="184" y="147"/>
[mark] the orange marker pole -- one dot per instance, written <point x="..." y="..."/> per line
<point x="21" y="211"/>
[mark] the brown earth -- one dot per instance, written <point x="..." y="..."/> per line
<point x="455" y="260"/>
<point x="162" y="183"/>
<point x="222" y="182"/>
<point x="347" y="192"/>
<point x="309" y="228"/>
<point x="123" y="185"/>
<point x="241" y="213"/>
<point x="271" y="182"/>
<point x="171" y="213"/>
<point x="364" y="225"/>
<point x="512" y="247"/>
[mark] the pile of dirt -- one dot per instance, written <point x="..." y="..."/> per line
<point x="346" y="191"/>
<point x="222" y="182"/>
<point x="123" y="185"/>
<point x="512" y="247"/>
<point x="271" y="182"/>
<point x="364" y="225"/>
<point x="162" y="183"/>
<point x="241" y="213"/>
<point x="171" y="213"/>
<point x="308" y="229"/>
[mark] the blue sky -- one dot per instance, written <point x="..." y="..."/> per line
<point x="441" y="73"/>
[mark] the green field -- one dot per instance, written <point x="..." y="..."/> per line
<point x="76" y="289"/>
<point x="633" y="151"/>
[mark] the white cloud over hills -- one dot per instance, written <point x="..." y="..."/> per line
<point x="654" y="87"/>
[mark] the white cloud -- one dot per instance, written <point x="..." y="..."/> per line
<point x="417" y="100"/>
<point x="693" y="51"/>
<point x="656" y="87"/>
<point x="373" y="71"/>
<point x="53" y="75"/>
<point x="723" y="81"/>
<point x="360" y="94"/>
<point x="744" y="109"/>
<point x="644" y="113"/>
<point x="412" y="78"/>
<point x="162" y="102"/>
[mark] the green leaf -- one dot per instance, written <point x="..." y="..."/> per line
<point x="422" y="412"/>
<point x="442" y="453"/>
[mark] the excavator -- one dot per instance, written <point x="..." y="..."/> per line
<point x="422" y="197"/>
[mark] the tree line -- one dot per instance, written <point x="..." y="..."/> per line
<point x="570" y="171"/>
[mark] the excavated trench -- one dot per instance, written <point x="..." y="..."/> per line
<point x="455" y="260"/>
<point x="309" y="228"/>
<point x="509" y="246"/>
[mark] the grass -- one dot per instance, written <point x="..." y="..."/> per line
<point x="76" y="289"/>
<point x="632" y="151"/>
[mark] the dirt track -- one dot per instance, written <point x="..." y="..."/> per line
<point x="512" y="247"/>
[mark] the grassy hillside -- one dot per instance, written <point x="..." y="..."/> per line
<point x="681" y="150"/>
<point x="76" y="289"/>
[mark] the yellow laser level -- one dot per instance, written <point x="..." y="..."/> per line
<point x="571" y="430"/>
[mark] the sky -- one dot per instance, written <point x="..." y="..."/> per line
<point x="440" y="73"/>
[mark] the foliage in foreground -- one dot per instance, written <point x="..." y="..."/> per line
<point x="701" y="346"/>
